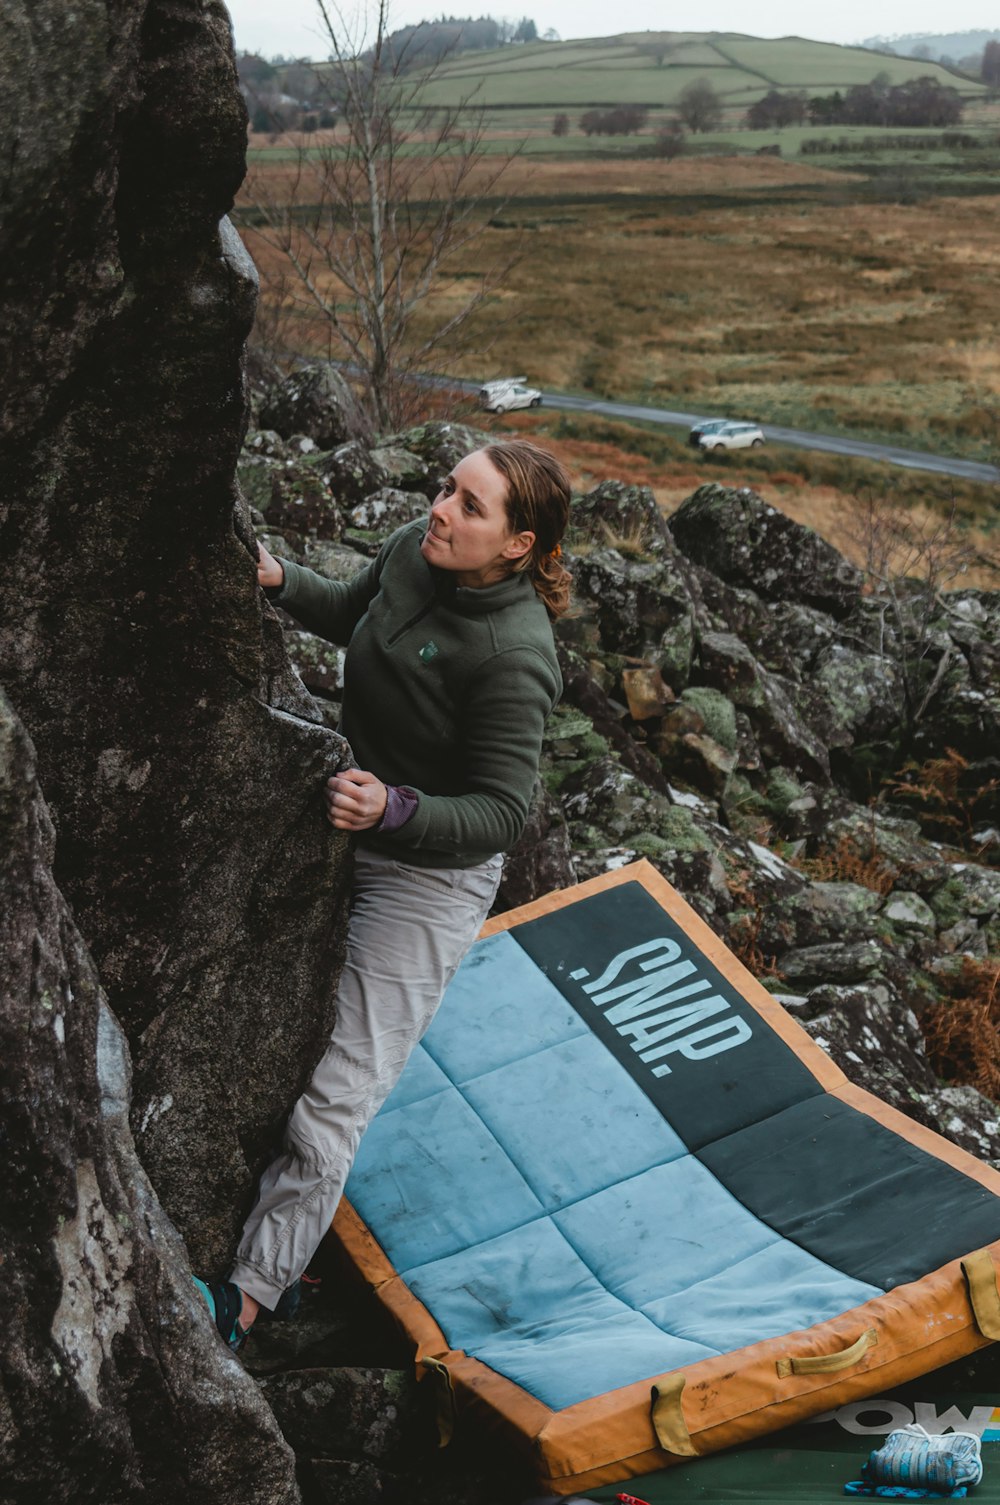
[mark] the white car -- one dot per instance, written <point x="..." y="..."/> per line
<point x="507" y="393"/>
<point x="731" y="436"/>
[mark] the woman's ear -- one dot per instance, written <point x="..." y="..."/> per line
<point x="518" y="545"/>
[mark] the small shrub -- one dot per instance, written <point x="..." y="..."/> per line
<point x="947" y="808"/>
<point x="962" y="1035"/>
<point x="847" y="862"/>
<point x="744" y="942"/>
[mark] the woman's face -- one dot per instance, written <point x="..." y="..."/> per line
<point x="468" y="531"/>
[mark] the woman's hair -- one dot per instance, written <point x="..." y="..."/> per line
<point x="538" y="498"/>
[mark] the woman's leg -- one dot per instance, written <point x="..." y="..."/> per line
<point x="409" y="929"/>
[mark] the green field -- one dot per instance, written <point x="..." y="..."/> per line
<point x="628" y="70"/>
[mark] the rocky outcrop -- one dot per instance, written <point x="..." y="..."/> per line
<point x="114" y="1387"/>
<point x="729" y="692"/>
<point x="180" y="757"/>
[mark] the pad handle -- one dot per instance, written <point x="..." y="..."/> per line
<point x="667" y="1416"/>
<point x="444" y="1399"/>
<point x="981" y="1275"/>
<point x="829" y="1363"/>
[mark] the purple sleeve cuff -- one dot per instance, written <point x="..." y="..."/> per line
<point x="399" y="806"/>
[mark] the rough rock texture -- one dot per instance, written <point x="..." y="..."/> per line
<point x="312" y="400"/>
<point x="746" y="542"/>
<point x="114" y="1388"/>
<point x="181" y="759"/>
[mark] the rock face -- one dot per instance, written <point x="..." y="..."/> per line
<point x="180" y="757"/>
<point x="114" y="1389"/>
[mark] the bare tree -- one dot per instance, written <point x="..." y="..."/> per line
<point x="371" y="220"/>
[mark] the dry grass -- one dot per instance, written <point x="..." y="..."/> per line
<point x="962" y="1035"/>
<point x="827" y="510"/>
<point x="849" y="862"/>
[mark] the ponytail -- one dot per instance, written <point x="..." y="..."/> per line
<point x="538" y="501"/>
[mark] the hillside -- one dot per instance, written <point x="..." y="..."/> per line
<point x="949" y="44"/>
<point x="652" y="68"/>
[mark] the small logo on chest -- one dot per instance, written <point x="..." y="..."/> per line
<point x="428" y="651"/>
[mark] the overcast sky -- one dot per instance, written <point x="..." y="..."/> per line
<point x="290" y="27"/>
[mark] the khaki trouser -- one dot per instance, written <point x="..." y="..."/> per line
<point x="409" y="929"/>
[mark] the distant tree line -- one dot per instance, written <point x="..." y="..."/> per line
<point x="284" y="94"/>
<point x="919" y="101"/>
<point x="777" y="109"/>
<point x="430" y="42"/>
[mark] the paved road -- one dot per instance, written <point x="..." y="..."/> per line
<point x="968" y="470"/>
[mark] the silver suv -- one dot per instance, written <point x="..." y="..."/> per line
<point x="730" y="436"/>
<point x="506" y="393"/>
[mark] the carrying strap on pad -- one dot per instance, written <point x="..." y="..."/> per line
<point x="981" y="1275"/>
<point x="668" y="1421"/>
<point x="444" y="1399"/>
<point x="828" y="1363"/>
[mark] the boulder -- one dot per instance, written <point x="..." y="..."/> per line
<point x="623" y="517"/>
<point x="302" y="503"/>
<point x="441" y="446"/>
<point x="404" y="470"/>
<point x="644" y="608"/>
<point x="540" y="863"/>
<point x="319" y="664"/>
<point x="314" y="400"/>
<point x="352" y="472"/>
<point x="726" y="664"/>
<point x="344" y="1411"/>
<point x="114" y="1385"/>
<point x="747" y="542"/>
<point x="387" y="509"/>
<point x="839" y="962"/>
<point x="182" y="761"/>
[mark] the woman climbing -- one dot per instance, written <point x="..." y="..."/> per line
<point x="450" y="673"/>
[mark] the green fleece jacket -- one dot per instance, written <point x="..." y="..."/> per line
<point x="446" y="690"/>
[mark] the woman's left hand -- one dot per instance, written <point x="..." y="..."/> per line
<point x="355" y="800"/>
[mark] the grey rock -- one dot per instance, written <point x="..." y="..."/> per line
<point x="966" y="1117"/>
<point x="345" y="1481"/>
<point x="114" y="1385"/>
<point x="908" y="912"/>
<point x="746" y="542"/>
<point x="150" y="674"/>
<point x="387" y="509"/>
<point x="965" y="889"/>
<point x="265" y="444"/>
<point x="404" y="470"/>
<point x="847" y="962"/>
<point x="352" y="472"/>
<point x="644" y="609"/>
<point x="319" y="664"/>
<point x="441" y="446"/>
<point x="879" y="1046"/>
<point x="314" y="400"/>
<point x="780" y="732"/>
<point x="540" y="862"/>
<point x="862" y="693"/>
<point x="335" y="561"/>
<point x="302" y="503"/>
<point x="621" y="516"/>
<point x="346" y="1410"/>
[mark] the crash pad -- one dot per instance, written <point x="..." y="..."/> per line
<point x="629" y="1212"/>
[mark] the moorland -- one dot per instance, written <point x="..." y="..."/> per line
<point x="832" y="279"/>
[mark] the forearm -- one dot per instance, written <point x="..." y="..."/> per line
<point x="329" y="608"/>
